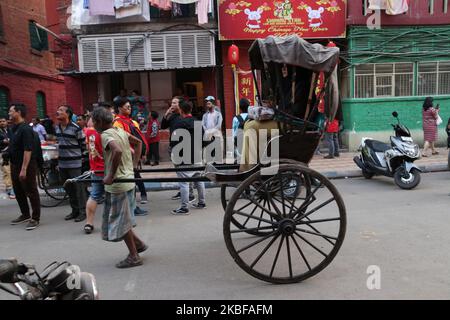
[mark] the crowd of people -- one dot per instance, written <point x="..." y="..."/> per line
<point x="110" y="143"/>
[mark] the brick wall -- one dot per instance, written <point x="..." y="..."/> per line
<point x="27" y="71"/>
<point x="16" y="15"/>
<point x="27" y="93"/>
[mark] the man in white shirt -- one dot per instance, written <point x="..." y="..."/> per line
<point x="212" y="121"/>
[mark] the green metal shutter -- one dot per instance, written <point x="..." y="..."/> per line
<point x="4" y="102"/>
<point x="38" y="37"/>
<point x="41" y="105"/>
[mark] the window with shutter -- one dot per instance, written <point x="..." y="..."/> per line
<point x="168" y="50"/>
<point x="38" y="37"/>
<point x="41" y="104"/>
<point x="4" y="101"/>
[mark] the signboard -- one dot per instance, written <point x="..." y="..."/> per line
<point x="252" y="19"/>
<point x="244" y="87"/>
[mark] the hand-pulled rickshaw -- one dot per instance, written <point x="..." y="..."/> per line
<point x="286" y="226"/>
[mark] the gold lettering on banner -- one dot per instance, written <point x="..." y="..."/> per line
<point x="249" y="30"/>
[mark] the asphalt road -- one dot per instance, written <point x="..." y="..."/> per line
<point x="404" y="233"/>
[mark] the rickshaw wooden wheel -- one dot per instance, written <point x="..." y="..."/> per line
<point x="225" y="196"/>
<point x="302" y="232"/>
<point x="227" y="191"/>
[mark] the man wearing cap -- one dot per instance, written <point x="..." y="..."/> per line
<point x="212" y="121"/>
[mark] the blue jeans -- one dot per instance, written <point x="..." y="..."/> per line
<point x="97" y="189"/>
<point x="333" y="143"/>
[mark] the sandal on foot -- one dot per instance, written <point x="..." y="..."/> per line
<point x="88" y="228"/>
<point x="142" y="249"/>
<point x="435" y="153"/>
<point x="129" y="262"/>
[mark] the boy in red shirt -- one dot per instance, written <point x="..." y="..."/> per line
<point x="96" y="163"/>
<point x="331" y="137"/>
<point x="153" y="139"/>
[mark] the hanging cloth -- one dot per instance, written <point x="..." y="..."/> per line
<point x="101" y="7"/>
<point x="377" y="4"/>
<point x="396" y="7"/>
<point x="202" y="11"/>
<point x="126" y="3"/>
<point x="161" y="4"/>
<point x="185" y="1"/>
<point x="85" y="4"/>
<point x="131" y="10"/>
<point x="176" y="10"/>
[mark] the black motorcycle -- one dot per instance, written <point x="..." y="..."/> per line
<point x="58" y="281"/>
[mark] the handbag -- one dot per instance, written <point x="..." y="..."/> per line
<point x="438" y="120"/>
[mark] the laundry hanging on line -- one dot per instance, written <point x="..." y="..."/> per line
<point x="396" y="7"/>
<point x="392" y="7"/>
<point x="101" y="7"/>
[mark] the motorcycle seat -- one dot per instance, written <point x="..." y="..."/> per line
<point x="377" y="146"/>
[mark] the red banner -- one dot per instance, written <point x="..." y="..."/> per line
<point x="247" y="20"/>
<point x="244" y="87"/>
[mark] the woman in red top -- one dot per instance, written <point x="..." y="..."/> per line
<point x="430" y="133"/>
<point x="331" y="137"/>
<point x="153" y="139"/>
<point x="96" y="163"/>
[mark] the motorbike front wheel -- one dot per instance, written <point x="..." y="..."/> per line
<point x="407" y="180"/>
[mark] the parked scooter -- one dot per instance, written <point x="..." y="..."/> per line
<point x="395" y="160"/>
<point x="58" y="281"/>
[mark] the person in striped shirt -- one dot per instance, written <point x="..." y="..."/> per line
<point x="71" y="145"/>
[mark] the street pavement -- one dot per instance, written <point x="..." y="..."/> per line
<point x="403" y="233"/>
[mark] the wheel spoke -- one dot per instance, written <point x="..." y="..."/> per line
<point x="276" y="256"/>
<point x="289" y="257"/>
<point x="253" y="229"/>
<point x="247" y="204"/>
<point x="262" y="213"/>
<point x="291" y="203"/>
<point x="308" y="200"/>
<point x="264" y="251"/>
<point x="318" y="221"/>
<point x="301" y="252"/>
<point x="273" y="214"/>
<point x="252" y="217"/>
<point x="320" y="206"/>
<point x="316" y="234"/>
<point x="269" y="198"/>
<point x="282" y="194"/>
<point x="313" y="246"/>
<point x="316" y="230"/>
<point x="256" y="242"/>
<point x="251" y="213"/>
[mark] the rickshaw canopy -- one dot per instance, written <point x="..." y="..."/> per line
<point x="295" y="51"/>
<point x="271" y="53"/>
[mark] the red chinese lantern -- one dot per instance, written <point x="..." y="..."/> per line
<point x="233" y="55"/>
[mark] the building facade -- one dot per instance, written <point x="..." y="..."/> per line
<point x="394" y="68"/>
<point x="28" y="67"/>
<point x="159" y="53"/>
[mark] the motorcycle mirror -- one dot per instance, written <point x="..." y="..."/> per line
<point x="395" y="114"/>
